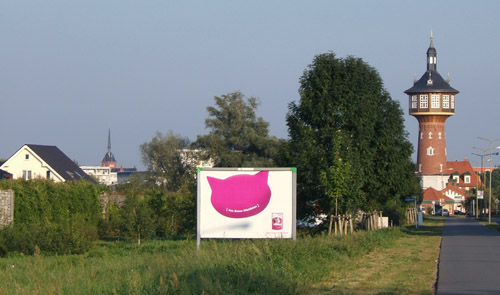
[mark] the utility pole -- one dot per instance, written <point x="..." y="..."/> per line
<point x="491" y="170"/>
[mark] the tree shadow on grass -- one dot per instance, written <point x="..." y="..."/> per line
<point x="365" y="291"/>
<point x="231" y="279"/>
<point x="433" y="226"/>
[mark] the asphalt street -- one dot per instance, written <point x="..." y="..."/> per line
<point x="469" y="262"/>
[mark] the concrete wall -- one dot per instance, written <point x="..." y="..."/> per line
<point x="6" y="208"/>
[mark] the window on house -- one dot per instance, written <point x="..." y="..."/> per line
<point x="424" y="101"/>
<point x="27" y="174"/>
<point x="467" y="178"/>
<point x="446" y="101"/>
<point x="27" y="157"/>
<point x="435" y="101"/>
<point x="48" y="174"/>
<point x="413" y="101"/>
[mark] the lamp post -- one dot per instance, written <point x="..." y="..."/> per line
<point x="491" y="141"/>
<point x="476" y="209"/>
<point x="485" y="181"/>
<point x="482" y="184"/>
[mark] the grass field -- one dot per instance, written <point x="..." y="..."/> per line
<point x="399" y="260"/>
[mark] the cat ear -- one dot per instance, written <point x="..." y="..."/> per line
<point x="262" y="175"/>
<point x="213" y="181"/>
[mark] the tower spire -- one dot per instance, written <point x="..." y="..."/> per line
<point x="109" y="159"/>
<point x="109" y="140"/>
<point x="431" y="56"/>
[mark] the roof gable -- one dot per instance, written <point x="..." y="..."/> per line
<point x="58" y="161"/>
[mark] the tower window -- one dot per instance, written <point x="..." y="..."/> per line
<point x="424" y="101"/>
<point x="413" y="101"/>
<point x="439" y="135"/>
<point x="419" y="167"/>
<point x="435" y="101"/>
<point x="421" y="135"/>
<point x="430" y="135"/>
<point x="453" y="101"/>
<point x="430" y="151"/>
<point x="440" y="167"/>
<point x="446" y="101"/>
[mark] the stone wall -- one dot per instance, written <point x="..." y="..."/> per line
<point x="6" y="207"/>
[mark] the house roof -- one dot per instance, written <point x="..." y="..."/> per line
<point x="58" y="161"/>
<point x="462" y="167"/>
<point x="5" y="175"/>
<point x="431" y="194"/>
<point x="454" y="187"/>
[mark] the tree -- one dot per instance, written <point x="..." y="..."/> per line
<point x="345" y="113"/>
<point x="136" y="219"/>
<point x="163" y="159"/>
<point x="237" y="136"/>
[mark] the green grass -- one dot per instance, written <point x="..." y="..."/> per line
<point x="310" y="265"/>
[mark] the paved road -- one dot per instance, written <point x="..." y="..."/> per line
<point x="469" y="262"/>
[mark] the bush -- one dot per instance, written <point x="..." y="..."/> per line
<point x="59" y="218"/>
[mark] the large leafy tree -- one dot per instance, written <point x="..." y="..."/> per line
<point x="163" y="157"/>
<point x="237" y="137"/>
<point x="347" y="139"/>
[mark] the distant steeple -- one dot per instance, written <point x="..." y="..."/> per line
<point x="109" y="159"/>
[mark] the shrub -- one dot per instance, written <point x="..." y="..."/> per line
<point x="50" y="217"/>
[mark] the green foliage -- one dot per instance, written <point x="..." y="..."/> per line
<point x="136" y="219"/>
<point x="174" y="212"/>
<point x="177" y="267"/>
<point x="345" y="113"/>
<point x="163" y="159"/>
<point x="52" y="217"/>
<point x="238" y="138"/>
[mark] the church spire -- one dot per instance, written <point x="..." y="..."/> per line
<point x="109" y="140"/>
<point x="109" y="159"/>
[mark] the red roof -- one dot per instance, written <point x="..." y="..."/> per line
<point x="462" y="167"/>
<point x="431" y="194"/>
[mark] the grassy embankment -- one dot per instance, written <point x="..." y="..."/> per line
<point x="393" y="261"/>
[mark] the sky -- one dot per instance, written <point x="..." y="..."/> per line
<point x="72" y="70"/>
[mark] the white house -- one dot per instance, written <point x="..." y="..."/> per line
<point x="33" y="161"/>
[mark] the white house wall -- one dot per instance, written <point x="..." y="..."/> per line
<point x="18" y="163"/>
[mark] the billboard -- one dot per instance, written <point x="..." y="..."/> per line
<point x="246" y="203"/>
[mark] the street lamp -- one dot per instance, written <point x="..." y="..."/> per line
<point x="491" y="141"/>
<point x="482" y="183"/>
<point x="485" y="180"/>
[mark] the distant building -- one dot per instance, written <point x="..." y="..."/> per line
<point x="108" y="173"/>
<point x="109" y="159"/>
<point x="33" y="161"/>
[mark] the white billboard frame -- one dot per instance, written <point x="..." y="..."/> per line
<point x="276" y="218"/>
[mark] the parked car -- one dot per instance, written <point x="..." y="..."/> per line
<point x="458" y="212"/>
<point x="445" y="212"/>
<point x="438" y="212"/>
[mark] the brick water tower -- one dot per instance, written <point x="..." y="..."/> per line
<point x="432" y="101"/>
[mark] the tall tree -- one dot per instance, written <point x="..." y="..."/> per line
<point x="345" y="112"/>
<point x="163" y="157"/>
<point x="237" y="136"/>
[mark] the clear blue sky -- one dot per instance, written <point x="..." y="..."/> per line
<point x="69" y="70"/>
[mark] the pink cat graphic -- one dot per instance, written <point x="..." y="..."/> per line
<point x="240" y="196"/>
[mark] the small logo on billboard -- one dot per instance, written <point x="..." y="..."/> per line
<point x="240" y="196"/>
<point x="277" y="221"/>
